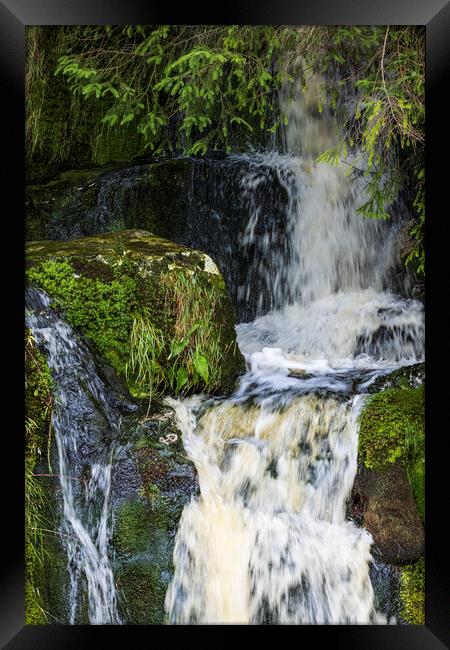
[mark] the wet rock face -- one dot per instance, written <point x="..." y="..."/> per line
<point x="153" y="481"/>
<point x="384" y="505"/>
<point x="385" y="579"/>
<point x="80" y="203"/>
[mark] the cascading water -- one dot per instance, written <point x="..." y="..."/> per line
<point x="268" y="541"/>
<point x="85" y="428"/>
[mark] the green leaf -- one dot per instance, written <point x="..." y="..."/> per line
<point x="177" y="347"/>
<point x="127" y="118"/>
<point x="201" y="365"/>
<point x="182" y="378"/>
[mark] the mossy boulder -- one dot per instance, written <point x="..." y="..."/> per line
<point x="156" y="311"/>
<point x="387" y="510"/>
<point x="79" y="203"/>
<point x="388" y="493"/>
<point x="392" y="428"/>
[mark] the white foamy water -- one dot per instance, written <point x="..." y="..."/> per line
<point x="268" y="541"/>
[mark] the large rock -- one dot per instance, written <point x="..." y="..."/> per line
<point x="383" y="503"/>
<point x="107" y="283"/>
<point x="79" y="203"/>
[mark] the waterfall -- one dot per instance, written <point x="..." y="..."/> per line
<point x="268" y="540"/>
<point x="85" y="428"/>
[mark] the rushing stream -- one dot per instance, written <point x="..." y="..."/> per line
<point x="268" y="540"/>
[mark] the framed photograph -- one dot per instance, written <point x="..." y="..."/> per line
<point x="226" y="419"/>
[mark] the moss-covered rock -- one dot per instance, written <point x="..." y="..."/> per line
<point x="391" y="420"/>
<point x="80" y="203"/>
<point x="392" y="428"/>
<point x="407" y="377"/>
<point x="157" y="312"/>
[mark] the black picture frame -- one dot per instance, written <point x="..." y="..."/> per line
<point x="14" y="16"/>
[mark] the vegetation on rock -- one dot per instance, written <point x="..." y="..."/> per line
<point x="38" y="405"/>
<point x="148" y="307"/>
<point x="412" y="593"/>
<point x="392" y="428"/>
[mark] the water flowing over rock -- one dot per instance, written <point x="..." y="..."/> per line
<point x="84" y="426"/>
<point x="274" y="480"/>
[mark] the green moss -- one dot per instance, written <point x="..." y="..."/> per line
<point x="392" y="428"/>
<point x="412" y="593"/>
<point x="145" y="546"/>
<point x="142" y="590"/>
<point x="139" y="523"/>
<point x="416" y="477"/>
<point x="132" y="528"/>
<point x="101" y="310"/>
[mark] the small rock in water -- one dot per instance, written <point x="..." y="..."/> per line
<point x="300" y="373"/>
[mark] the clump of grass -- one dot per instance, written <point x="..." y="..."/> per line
<point x="197" y="334"/>
<point x="38" y="406"/>
<point x="144" y="370"/>
<point x="187" y="355"/>
<point x="35" y="524"/>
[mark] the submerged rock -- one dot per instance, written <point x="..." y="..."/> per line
<point x="170" y="296"/>
<point x="386" y="508"/>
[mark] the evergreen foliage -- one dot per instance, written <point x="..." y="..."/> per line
<point x="192" y="89"/>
